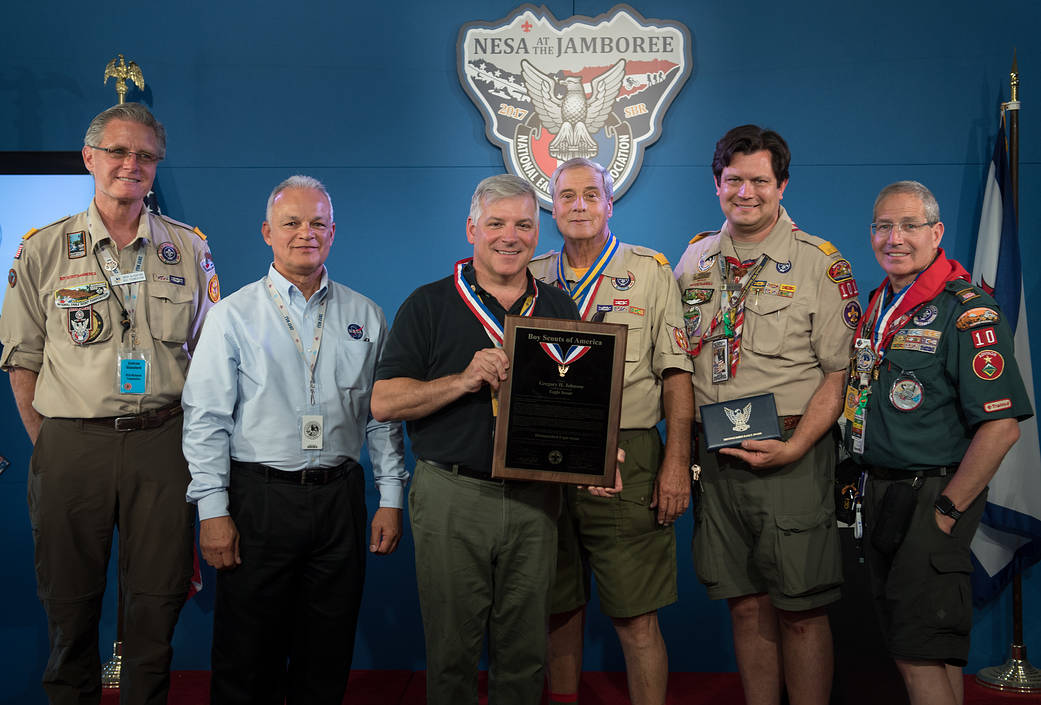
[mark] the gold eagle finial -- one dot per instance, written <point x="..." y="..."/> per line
<point x="121" y="71"/>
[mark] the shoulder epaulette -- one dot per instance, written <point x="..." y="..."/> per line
<point x="544" y="255"/>
<point x="198" y="232"/>
<point x="178" y="223"/>
<point x="662" y="259"/>
<point x="820" y="243"/>
<point x="49" y="225"/>
<point x="642" y="251"/>
<point x="968" y="294"/>
<point x="702" y="236"/>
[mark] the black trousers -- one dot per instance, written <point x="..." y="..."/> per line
<point x="285" y="618"/>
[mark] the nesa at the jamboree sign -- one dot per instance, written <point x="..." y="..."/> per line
<point x="553" y="90"/>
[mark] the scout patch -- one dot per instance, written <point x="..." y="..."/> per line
<point x="787" y="290"/>
<point x="757" y="286"/>
<point x="18" y="252"/>
<point x="179" y="281"/>
<point x="213" y="289"/>
<point x="606" y="308"/>
<point x="772" y="289"/>
<point x="681" y="339"/>
<point x="637" y="310"/>
<point x="976" y="317"/>
<point x="76" y="244"/>
<point x="840" y="271"/>
<point x="12" y="277"/>
<point x="85" y="325"/>
<point x="920" y="339"/>
<point x="81" y="295"/>
<point x="621" y="304"/>
<point x="207" y="262"/>
<point x="624" y="283"/>
<point x="906" y="394"/>
<point x="355" y="331"/>
<point x="988" y="364"/>
<point x="848" y="289"/>
<point x="984" y="337"/>
<point x="706" y="264"/>
<point x="694" y="296"/>
<point x="851" y="314"/>
<point x="784" y="267"/>
<point x="997" y="405"/>
<point x="168" y="253"/>
<point x="926" y="316"/>
<point x="967" y="295"/>
<point x="692" y="319"/>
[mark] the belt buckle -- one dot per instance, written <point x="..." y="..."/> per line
<point x="127" y="423"/>
<point x="313" y="476"/>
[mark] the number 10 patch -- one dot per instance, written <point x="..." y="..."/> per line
<point x="983" y="337"/>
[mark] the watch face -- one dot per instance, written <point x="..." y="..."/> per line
<point x="945" y="506"/>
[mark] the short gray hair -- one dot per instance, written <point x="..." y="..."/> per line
<point x="131" y="112"/>
<point x="496" y="188"/>
<point x="605" y="175"/>
<point x="911" y="188"/>
<point x="298" y="181"/>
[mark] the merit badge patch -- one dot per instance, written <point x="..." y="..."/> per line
<point x="81" y="295"/>
<point x="974" y="317"/>
<point x="76" y="244"/>
<point x="840" y="271"/>
<point x="12" y="277"/>
<point x="988" y="364"/>
<point x="554" y="90"/>
<point x="85" y="325"/>
<point x="783" y="267"/>
<point x="624" y="283"/>
<point x="168" y="253"/>
<point x="997" y="405"/>
<point x="906" y="394"/>
<point x="213" y="289"/>
<point x="926" y="316"/>
<point x="355" y="331"/>
<point x="696" y="295"/>
<point x="851" y="314"/>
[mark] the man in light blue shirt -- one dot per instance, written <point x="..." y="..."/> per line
<point x="276" y="410"/>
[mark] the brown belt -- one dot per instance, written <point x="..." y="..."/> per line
<point x="136" y="422"/>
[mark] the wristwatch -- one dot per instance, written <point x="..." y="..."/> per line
<point x="945" y="506"/>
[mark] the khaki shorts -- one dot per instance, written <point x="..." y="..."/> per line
<point x="769" y="531"/>
<point x="923" y="593"/>
<point x="618" y="540"/>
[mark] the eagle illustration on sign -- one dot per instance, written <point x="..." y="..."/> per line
<point x="551" y="91"/>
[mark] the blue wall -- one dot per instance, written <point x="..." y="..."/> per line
<point x="366" y="98"/>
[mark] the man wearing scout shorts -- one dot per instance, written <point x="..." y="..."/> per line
<point x="102" y="315"/>
<point x="627" y="541"/>
<point x="770" y="309"/>
<point x="933" y="400"/>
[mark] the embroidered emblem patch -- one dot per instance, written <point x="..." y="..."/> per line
<point x="81" y="295"/>
<point x="76" y="244"/>
<point x="926" y="316"/>
<point x="706" y="264"/>
<point x="213" y="289"/>
<point x="624" y="283"/>
<point x="694" y="296"/>
<point x="168" y="253"/>
<point x="848" y="289"/>
<point x="355" y="331"/>
<point x="681" y="339"/>
<point x="906" y="394"/>
<point x="988" y="364"/>
<point x="997" y="405"/>
<point x="85" y="325"/>
<point x="851" y="314"/>
<point x="12" y="277"/>
<point x="840" y="271"/>
<point x="983" y="337"/>
<point x="919" y="339"/>
<point x="967" y="295"/>
<point x="783" y="267"/>
<point x="207" y="262"/>
<point x="977" y="317"/>
<point x="637" y="310"/>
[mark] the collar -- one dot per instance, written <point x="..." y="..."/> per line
<point x="288" y="290"/>
<point x="470" y="275"/>
<point x="777" y="245"/>
<point x="615" y="267"/>
<point x="98" y="233"/>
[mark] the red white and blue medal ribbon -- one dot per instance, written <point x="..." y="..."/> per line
<point x="574" y="352"/>
<point x="583" y="292"/>
<point x="483" y="314"/>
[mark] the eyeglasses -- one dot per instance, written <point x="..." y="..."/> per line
<point x="885" y="229"/>
<point x="120" y="154"/>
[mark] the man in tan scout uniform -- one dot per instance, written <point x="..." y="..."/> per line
<point x="764" y="536"/>
<point x="102" y="314"/>
<point x="620" y="283"/>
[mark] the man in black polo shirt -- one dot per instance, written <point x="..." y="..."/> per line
<point x="484" y="548"/>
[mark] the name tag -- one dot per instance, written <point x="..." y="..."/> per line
<point x="128" y="278"/>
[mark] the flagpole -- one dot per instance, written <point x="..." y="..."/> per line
<point x="1016" y="674"/>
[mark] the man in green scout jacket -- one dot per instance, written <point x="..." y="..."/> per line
<point x="933" y="401"/>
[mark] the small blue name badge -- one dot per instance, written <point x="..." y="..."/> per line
<point x="133" y="375"/>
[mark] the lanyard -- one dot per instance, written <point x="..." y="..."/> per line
<point x="319" y="327"/>
<point x="583" y="292"/>
<point x="483" y="314"/>
<point x="116" y="278"/>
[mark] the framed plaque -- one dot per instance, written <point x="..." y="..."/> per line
<point x="561" y="402"/>
<point x="728" y="423"/>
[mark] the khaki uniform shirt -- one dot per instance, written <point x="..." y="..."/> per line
<point x="62" y="316"/>
<point x="799" y="321"/>
<point x="636" y="289"/>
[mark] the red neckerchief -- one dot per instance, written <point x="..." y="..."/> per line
<point x="925" y="288"/>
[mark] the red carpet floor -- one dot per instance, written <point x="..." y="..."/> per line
<point x="408" y="688"/>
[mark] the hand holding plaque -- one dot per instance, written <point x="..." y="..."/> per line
<point x="560" y="405"/>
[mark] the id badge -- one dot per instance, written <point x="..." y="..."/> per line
<point x="852" y="400"/>
<point x="720" y="360"/>
<point x="132" y="371"/>
<point x="312" y="428"/>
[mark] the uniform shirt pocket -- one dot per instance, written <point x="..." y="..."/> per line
<point x="766" y="324"/>
<point x="169" y="312"/>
